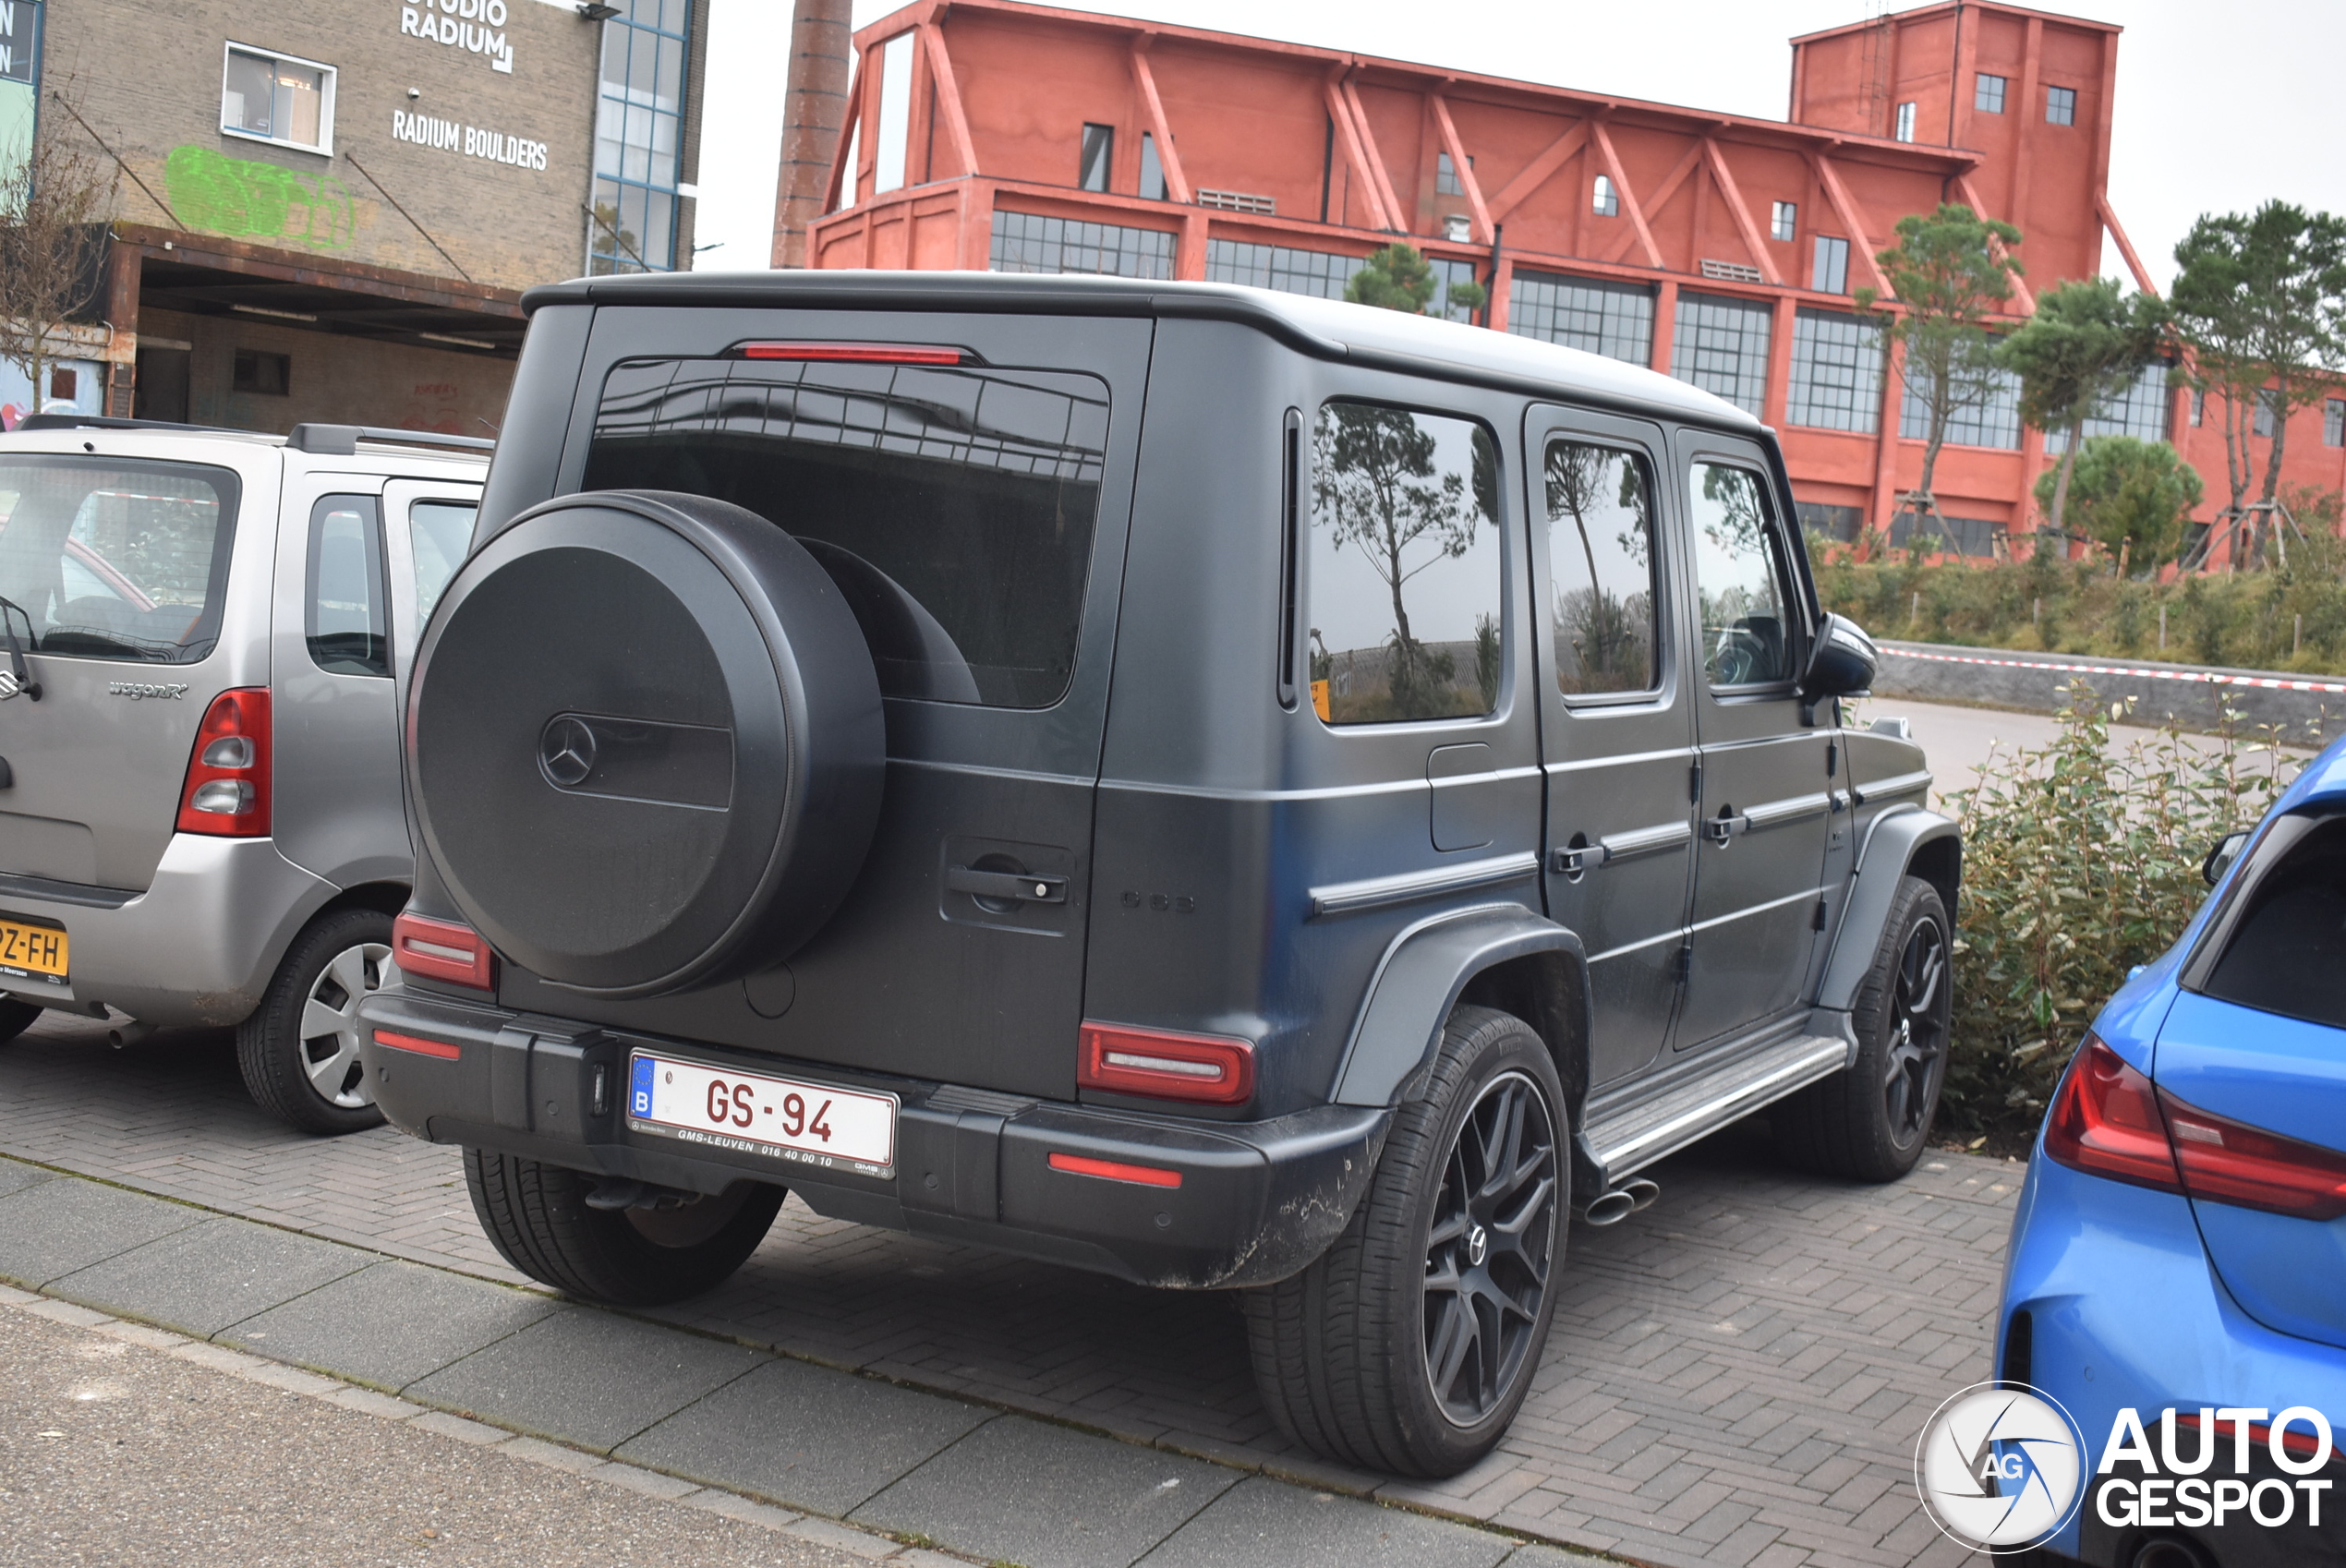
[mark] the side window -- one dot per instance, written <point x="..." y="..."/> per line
<point x="1601" y="558"/>
<point x="439" y="533"/>
<point x="1740" y="578"/>
<point x="2285" y="954"/>
<point x="1405" y="574"/>
<point x="348" y="613"/>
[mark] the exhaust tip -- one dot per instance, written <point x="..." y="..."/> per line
<point x="1641" y="1193"/>
<point x="1609" y="1210"/>
<point x="128" y="1033"/>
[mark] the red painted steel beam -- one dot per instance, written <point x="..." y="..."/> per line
<point x="1751" y="230"/>
<point x="949" y="95"/>
<point x="1168" y="158"/>
<point x="1663" y="194"/>
<point x="1838" y="194"/>
<point x="1484" y="221"/>
<point x="841" y="173"/>
<point x="1352" y="95"/>
<point x="1628" y="197"/>
<point x="1970" y="193"/>
<point x="1538" y="171"/>
<point x="1350" y="134"/>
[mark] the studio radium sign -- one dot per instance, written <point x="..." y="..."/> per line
<point x="476" y="26"/>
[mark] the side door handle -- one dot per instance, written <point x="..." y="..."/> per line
<point x="1719" y="829"/>
<point x="1572" y="862"/>
<point x="1018" y="887"/>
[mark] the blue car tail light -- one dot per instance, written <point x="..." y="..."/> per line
<point x="2110" y="1120"/>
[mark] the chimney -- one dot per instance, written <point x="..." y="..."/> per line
<point x="813" y="109"/>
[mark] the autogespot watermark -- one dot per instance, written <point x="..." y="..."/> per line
<point x="2002" y="1468"/>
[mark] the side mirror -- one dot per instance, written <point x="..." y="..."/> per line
<point x="2220" y="855"/>
<point x="1841" y="662"/>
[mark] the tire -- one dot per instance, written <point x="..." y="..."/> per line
<point x="299" y="1049"/>
<point x="1872" y="1122"/>
<point x="539" y="1217"/>
<point x="15" y="1017"/>
<point x="1345" y="1352"/>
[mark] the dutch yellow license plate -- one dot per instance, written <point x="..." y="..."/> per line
<point x="33" y="952"/>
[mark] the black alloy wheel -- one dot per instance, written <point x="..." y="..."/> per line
<point x="1491" y="1249"/>
<point x="1918" y="1016"/>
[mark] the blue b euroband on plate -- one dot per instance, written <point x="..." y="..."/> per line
<point x="753" y="1113"/>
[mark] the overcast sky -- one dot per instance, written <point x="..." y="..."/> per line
<point x="2220" y="107"/>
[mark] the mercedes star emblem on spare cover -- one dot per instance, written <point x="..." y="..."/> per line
<point x="566" y="751"/>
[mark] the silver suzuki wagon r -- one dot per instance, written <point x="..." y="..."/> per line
<point x="206" y="637"/>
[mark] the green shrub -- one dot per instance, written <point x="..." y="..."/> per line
<point x="2078" y="864"/>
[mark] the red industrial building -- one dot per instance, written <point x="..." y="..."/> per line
<point x="1719" y="248"/>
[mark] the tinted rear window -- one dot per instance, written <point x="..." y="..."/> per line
<point x="116" y="559"/>
<point x="2289" y="950"/>
<point x="954" y="506"/>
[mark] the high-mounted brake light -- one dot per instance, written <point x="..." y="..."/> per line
<point x="226" y="793"/>
<point x="1206" y="1068"/>
<point x="2110" y="1120"/>
<point x="854" y="353"/>
<point x="441" y="949"/>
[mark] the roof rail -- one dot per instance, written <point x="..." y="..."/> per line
<point x="64" y="421"/>
<point x="342" y="441"/>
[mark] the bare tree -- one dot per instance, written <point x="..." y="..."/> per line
<point x="55" y="195"/>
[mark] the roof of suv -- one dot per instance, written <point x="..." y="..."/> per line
<point x="412" y="452"/>
<point x="1326" y="327"/>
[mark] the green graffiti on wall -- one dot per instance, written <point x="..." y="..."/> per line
<point x="230" y="196"/>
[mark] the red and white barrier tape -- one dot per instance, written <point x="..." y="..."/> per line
<point x="2209" y="677"/>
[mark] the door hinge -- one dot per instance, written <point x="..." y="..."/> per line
<point x="1694" y="782"/>
<point x="1833" y="758"/>
<point x="1685" y="966"/>
<point x="1818" y="921"/>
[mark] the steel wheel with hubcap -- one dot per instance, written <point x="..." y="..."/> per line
<point x="1872" y="1122"/>
<point x="1410" y="1344"/>
<point x="299" y="1050"/>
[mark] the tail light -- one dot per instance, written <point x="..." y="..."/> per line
<point x="441" y="949"/>
<point x="2108" y="1120"/>
<point x="1205" y="1069"/>
<point x="226" y="793"/>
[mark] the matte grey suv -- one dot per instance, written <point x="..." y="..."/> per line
<point x="1227" y="790"/>
<point x="201" y="821"/>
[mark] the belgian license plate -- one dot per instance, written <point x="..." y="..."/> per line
<point x="33" y="952"/>
<point x="759" y="1115"/>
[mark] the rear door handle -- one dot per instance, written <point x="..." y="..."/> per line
<point x="1719" y="829"/>
<point x="1006" y="885"/>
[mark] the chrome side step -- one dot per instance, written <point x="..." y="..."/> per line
<point x="1628" y="1137"/>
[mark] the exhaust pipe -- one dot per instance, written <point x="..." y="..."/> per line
<point x="1612" y="1208"/>
<point x="130" y="1031"/>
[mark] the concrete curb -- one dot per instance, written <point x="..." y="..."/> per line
<point x="885" y="1472"/>
<point x="2312" y="709"/>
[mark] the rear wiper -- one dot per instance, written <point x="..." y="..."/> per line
<point x="17" y="681"/>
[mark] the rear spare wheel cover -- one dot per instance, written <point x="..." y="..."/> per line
<point x="645" y="742"/>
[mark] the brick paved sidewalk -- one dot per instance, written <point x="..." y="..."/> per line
<point x="1737" y="1376"/>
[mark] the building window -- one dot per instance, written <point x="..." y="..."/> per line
<point x="1721" y="344"/>
<point x="2060" y="105"/>
<point x="1991" y="419"/>
<point x="1448" y="271"/>
<point x="1613" y="319"/>
<point x="276" y="98"/>
<point x="2267" y="414"/>
<point x="894" y="147"/>
<point x="639" y="137"/>
<point x="2199" y="407"/>
<point x="2139" y="410"/>
<point x="1608" y="201"/>
<point x="2334" y="421"/>
<point x="1987" y="94"/>
<point x="268" y="375"/>
<point x="1319" y="273"/>
<point x="1152" y="169"/>
<point x="1445" y="175"/>
<point x="1024" y="242"/>
<point x="1906" y="131"/>
<point x="1830" y="272"/>
<point x="1099" y="157"/>
<point x="1836" y="372"/>
<point x="1782" y="223"/>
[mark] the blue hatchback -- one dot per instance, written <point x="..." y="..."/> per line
<point x="2179" y="1250"/>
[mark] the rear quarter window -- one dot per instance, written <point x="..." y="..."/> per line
<point x="2286" y="952"/>
<point x="954" y="506"/>
<point x="112" y="558"/>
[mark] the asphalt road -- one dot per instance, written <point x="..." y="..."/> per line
<point x="117" y="1454"/>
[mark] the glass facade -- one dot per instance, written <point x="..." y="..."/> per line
<point x="2140" y="410"/>
<point x="639" y="137"/>
<point x="1836" y="372"/>
<point x="1024" y="242"/>
<point x="1721" y="344"/>
<point x="1613" y="319"/>
<point x="1990" y="420"/>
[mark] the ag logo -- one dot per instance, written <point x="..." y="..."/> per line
<point x="2000" y="1467"/>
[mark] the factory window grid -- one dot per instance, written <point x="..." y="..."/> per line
<point x="1784" y="220"/>
<point x="1319" y="273"/>
<point x="1445" y="175"/>
<point x="1721" y="344"/>
<point x="1607" y="201"/>
<point x="2140" y="409"/>
<point x="639" y="137"/>
<point x="2334" y="421"/>
<point x="1987" y="93"/>
<point x="1836" y="372"/>
<point x="1830" y="272"/>
<point x="277" y="98"/>
<point x="1602" y="317"/>
<point x="1989" y="419"/>
<point x="2060" y="105"/>
<point x="1027" y="242"/>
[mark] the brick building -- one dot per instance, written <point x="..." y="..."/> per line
<point x="1719" y="248"/>
<point x="328" y="211"/>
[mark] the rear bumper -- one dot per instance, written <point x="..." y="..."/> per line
<point x="197" y="947"/>
<point x="1256" y="1202"/>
